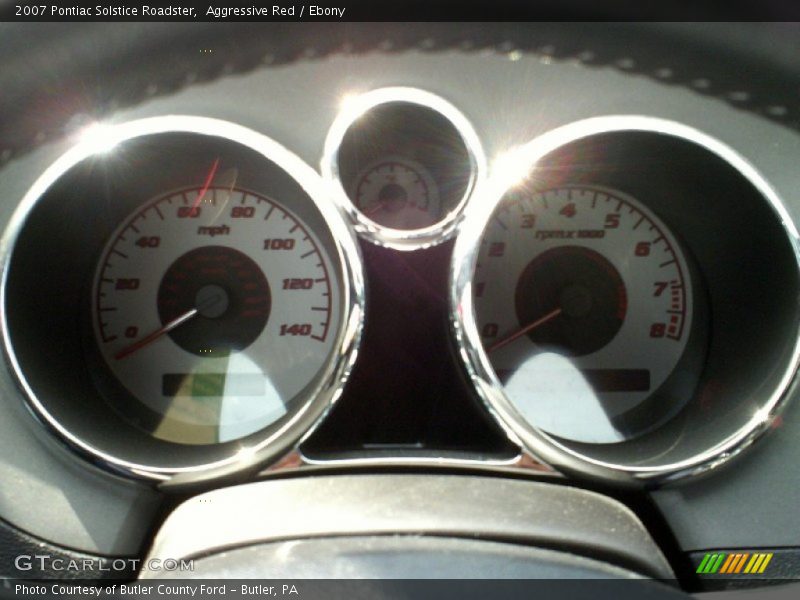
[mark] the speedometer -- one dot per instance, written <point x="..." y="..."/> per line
<point x="210" y="299"/>
<point x="213" y="308"/>
<point x="584" y="303"/>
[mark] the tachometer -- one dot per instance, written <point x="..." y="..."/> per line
<point x="604" y="294"/>
<point x="584" y="303"/>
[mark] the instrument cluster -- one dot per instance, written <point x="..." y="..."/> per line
<point x="184" y="299"/>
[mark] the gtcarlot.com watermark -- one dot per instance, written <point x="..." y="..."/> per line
<point x="45" y="562"/>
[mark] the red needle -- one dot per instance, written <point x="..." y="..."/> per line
<point x="374" y="208"/>
<point x="380" y="204"/>
<point x="139" y="344"/>
<point x="528" y="328"/>
<point x="209" y="179"/>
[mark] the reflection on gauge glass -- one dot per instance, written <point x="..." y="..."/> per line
<point x="399" y="193"/>
<point x="584" y="300"/>
<point x="213" y="308"/>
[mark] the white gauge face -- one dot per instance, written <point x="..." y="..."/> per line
<point x="398" y="193"/>
<point x="214" y="308"/>
<point x="584" y="305"/>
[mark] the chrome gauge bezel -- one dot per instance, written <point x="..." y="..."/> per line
<point x="357" y="106"/>
<point x="312" y="404"/>
<point x="515" y="166"/>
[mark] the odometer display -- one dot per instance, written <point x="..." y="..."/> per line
<point x="583" y="302"/>
<point x="213" y="308"/>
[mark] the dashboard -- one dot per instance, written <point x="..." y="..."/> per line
<point x="515" y="264"/>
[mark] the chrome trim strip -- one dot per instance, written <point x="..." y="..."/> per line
<point x="519" y="461"/>
<point x="510" y="169"/>
<point x="314" y="405"/>
<point x="398" y="239"/>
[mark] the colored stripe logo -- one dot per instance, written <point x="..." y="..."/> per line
<point x="734" y="563"/>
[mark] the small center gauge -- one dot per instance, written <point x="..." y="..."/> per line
<point x="399" y="193"/>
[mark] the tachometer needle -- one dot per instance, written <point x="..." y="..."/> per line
<point x="152" y="337"/>
<point x="527" y="329"/>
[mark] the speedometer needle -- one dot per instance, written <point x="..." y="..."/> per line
<point x="206" y="184"/>
<point x="527" y="329"/>
<point x="176" y="322"/>
<point x="152" y="337"/>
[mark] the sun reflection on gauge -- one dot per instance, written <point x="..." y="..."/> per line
<point x="399" y="193"/>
